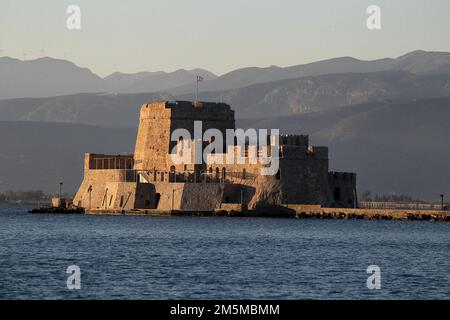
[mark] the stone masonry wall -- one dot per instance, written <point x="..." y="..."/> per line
<point x="343" y="189"/>
<point x="159" y="119"/>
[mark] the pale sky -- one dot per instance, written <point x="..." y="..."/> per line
<point x="151" y="35"/>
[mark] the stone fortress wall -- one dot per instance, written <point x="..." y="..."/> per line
<point x="150" y="180"/>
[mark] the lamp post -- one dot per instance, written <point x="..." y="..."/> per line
<point x="173" y="198"/>
<point x="90" y="196"/>
<point x="442" y="202"/>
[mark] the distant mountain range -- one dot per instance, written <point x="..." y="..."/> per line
<point x="47" y="77"/>
<point x="317" y="93"/>
<point x="52" y="77"/>
<point x="154" y="81"/>
<point x="417" y="62"/>
<point x="264" y="100"/>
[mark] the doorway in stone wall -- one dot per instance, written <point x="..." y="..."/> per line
<point x="337" y="194"/>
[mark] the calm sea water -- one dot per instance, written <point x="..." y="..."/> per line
<point x="219" y="258"/>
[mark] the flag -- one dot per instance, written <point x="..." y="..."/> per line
<point x="199" y="78"/>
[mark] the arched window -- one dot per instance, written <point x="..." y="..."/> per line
<point x="244" y="173"/>
<point x="172" y="169"/>
<point x="224" y="173"/>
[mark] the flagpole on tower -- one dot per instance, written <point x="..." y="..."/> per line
<point x="196" y="91"/>
<point x="199" y="79"/>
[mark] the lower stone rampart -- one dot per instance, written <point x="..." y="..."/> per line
<point x="293" y="211"/>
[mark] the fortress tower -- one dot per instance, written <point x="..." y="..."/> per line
<point x="159" y="119"/>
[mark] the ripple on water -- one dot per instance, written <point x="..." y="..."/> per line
<point x="219" y="258"/>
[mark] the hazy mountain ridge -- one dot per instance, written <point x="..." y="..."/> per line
<point x="310" y="94"/>
<point x="154" y="81"/>
<point x="418" y="62"/>
<point x="274" y="99"/>
<point x="45" y="77"/>
<point x="249" y="76"/>
<point x="423" y="62"/>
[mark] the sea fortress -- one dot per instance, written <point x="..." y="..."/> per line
<point x="161" y="179"/>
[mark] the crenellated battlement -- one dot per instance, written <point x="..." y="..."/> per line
<point x="294" y="140"/>
<point x="303" y="152"/>
<point x="343" y="176"/>
<point x="187" y="110"/>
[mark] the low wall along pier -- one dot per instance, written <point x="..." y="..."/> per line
<point x="293" y="211"/>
